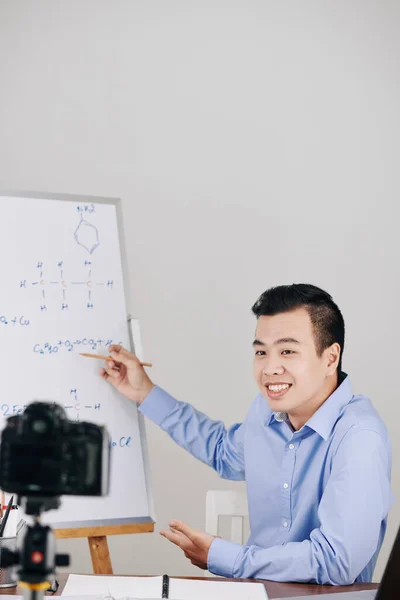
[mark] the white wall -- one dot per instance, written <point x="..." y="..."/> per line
<point x="253" y="143"/>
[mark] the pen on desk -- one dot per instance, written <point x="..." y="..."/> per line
<point x="4" y="521"/>
<point x="165" y="586"/>
<point x="88" y="355"/>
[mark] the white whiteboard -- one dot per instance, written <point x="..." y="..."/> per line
<point x="63" y="292"/>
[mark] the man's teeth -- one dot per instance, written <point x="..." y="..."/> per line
<point x="278" y="388"/>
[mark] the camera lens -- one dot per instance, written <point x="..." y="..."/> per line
<point x="39" y="426"/>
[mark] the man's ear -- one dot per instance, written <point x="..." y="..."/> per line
<point x="333" y="356"/>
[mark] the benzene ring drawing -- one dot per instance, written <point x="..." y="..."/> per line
<point x="87" y="235"/>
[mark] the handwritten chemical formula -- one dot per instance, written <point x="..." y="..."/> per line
<point x="76" y="406"/>
<point x="15" y="321"/>
<point x="46" y="283"/>
<point x="72" y="345"/>
<point x="75" y="409"/>
<point x="86" y="234"/>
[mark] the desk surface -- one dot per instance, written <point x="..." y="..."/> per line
<point x="274" y="589"/>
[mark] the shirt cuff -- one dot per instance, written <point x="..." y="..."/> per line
<point x="222" y="557"/>
<point x="157" y="405"/>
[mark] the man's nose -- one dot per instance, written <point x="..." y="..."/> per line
<point x="272" y="367"/>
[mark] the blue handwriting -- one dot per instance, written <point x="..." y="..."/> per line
<point x="17" y="409"/>
<point x="123" y="442"/>
<point x="71" y="345"/>
<point x="15" y="321"/>
<point x="89" y="208"/>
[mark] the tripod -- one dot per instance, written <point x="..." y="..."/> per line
<point x="35" y="557"/>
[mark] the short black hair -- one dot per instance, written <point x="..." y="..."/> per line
<point x="326" y="318"/>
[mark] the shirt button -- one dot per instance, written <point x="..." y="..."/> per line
<point x="285" y="523"/>
<point x="291" y="446"/>
<point x="285" y="485"/>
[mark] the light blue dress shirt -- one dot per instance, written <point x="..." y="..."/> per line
<point x="318" y="497"/>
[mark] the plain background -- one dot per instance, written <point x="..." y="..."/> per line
<point x="253" y="143"/>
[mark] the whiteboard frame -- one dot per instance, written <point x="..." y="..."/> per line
<point x="117" y="202"/>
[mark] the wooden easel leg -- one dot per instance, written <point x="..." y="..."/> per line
<point x="100" y="555"/>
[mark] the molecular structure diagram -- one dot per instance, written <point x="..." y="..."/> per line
<point x="86" y="234"/>
<point x="87" y="284"/>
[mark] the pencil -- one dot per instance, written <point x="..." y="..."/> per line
<point x="3" y="501"/>
<point x="144" y="364"/>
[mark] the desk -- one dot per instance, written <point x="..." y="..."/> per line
<point x="274" y="589"/>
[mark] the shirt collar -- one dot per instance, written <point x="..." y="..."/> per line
<point x="324" y="419"/>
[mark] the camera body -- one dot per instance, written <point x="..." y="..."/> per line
<point x="44" y="454"/>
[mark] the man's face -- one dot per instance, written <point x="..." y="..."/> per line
<point x="287" y="368"/>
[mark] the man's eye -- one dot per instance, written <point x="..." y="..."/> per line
<point x="286" y="352"/>
<point x="260" y="353"/>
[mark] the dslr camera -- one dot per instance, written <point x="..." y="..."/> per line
<point x="44" y="454"/>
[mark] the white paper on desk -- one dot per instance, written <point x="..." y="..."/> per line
<point x="96" y="597"/>
<point x="189" y="589"/>
<point x="134" y="587"/>
<point x="150" y="587"/>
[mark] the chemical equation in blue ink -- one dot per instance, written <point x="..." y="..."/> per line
<point x="15" y="321"/>
<point x="72" y="345"/>
<point x="47" y="284"/>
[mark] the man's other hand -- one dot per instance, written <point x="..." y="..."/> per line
<point x="195" y="544"/>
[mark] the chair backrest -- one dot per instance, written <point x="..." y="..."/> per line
<point x="226" y="503"/>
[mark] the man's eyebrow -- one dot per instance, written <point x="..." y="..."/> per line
<point x="286" y="340"/>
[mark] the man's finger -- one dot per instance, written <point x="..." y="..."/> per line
<point x="190" y="533"/>
<point x="175" y="538"/>
<point x="103" y="374"/>
<point x="123" y="356"/>
<point x="110" y="375"/>
<point x="113" y="374"/>
<point x="115" y="348"/>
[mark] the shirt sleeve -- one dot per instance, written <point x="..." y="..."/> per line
<point x="353" y="506"/>
<point x="205" y="439"/>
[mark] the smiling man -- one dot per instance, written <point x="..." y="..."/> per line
<point x="316" y="458"/>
